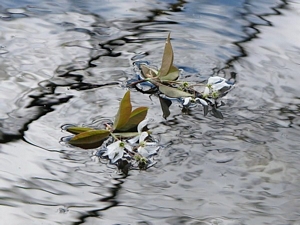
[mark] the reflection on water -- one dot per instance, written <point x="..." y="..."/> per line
<point x="67" y="61"/>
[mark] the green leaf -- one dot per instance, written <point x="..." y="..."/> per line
<point x="165" y="105"/>
<point x="124" y="112"/>
<point x="126" y="134"/>
<point x="135" y="118"/>
<point x="173" y="92"/>
<point x="89" y="139"/>
<point x="167" y="60"/>
<point x="172" y="75"/>
<point x="148" y="71"/>
<point x="78" y="130"/>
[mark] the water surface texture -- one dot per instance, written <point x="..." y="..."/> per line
<point x="66" y="62"/>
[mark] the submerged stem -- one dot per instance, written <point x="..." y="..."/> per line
<point x="139" y="81"/>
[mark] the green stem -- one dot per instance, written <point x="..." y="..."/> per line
<point x="114" y="136"/>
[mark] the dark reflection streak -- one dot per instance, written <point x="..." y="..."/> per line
<point x="111" y="199"/>
<point x="42" y="108"/>
<point x="5" y="138"/>
<point x="174" y="7"/>
<point x="253" y="26"/>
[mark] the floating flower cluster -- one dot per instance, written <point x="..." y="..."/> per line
<point x="137" y="147"/>
<point x="216" y="88"/>
<point x="126" y="142"/>
<point x="165" y="83"/>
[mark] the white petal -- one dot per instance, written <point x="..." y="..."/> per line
<point x="201" y="101"/>
<point x="216" y="79"/>
<point x="151" y="147"/>
<point x="206" y="91"/>
<point x="114" y="151"/>
<point x="221" y="85"/>
<point x="143" y="136"/>
<point x="128" y="147"/>
<point x="112" y="147"/>
<point x="186" y="101"/>
<point x="142" y="124"/>
<point x="143" y="151"/>
<point x="133" y="140"/>
<point x="116" y="154"/>
<point x="147" y="150"/>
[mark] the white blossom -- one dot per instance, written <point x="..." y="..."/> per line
<point x="206" y="92"/>
<point x="215" y="80"/>
<point x="218" y="86"/>
<point x="146" y="148"/>
<point x="201" y="101"/>
<point x="140" y="127"/>
<point x="115" y="151"/>
<point x="187" y="101"/>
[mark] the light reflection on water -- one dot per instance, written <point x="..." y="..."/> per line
<point x="240" y="170"/>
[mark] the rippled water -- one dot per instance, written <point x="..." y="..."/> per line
<point x="67" y="62"/>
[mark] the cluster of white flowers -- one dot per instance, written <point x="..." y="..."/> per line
<point x="215" y="88"/>
<point x="139" y="147"/>
<point x="136" y="145"/>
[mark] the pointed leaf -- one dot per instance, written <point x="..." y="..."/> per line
<point x="165" y="105"/>
<point x="89" y="139"/>
<point x="78" y="130"/>
<point x="216" y="113"/>
<point x="135" y="118"/>
<point x="205" y="109"/>
<point x="173" y="92"/>
<point x="173" y="74"/>
<point x="167" y="60"/>
<point x="124" y="112"/>
<point x="148" y="71"/>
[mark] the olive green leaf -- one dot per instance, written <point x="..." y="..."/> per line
<point x="126" y="134"/>
<point x="78" y="130"/>
<point x="148" y="72"/>
<point x="135" y="118"/>
<point x="124" y="112"/>
<point x="167" y="60"/>
<point x="173" y="92"/>
<point x="89" y="139"/>
<point x="172" y="75"/>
